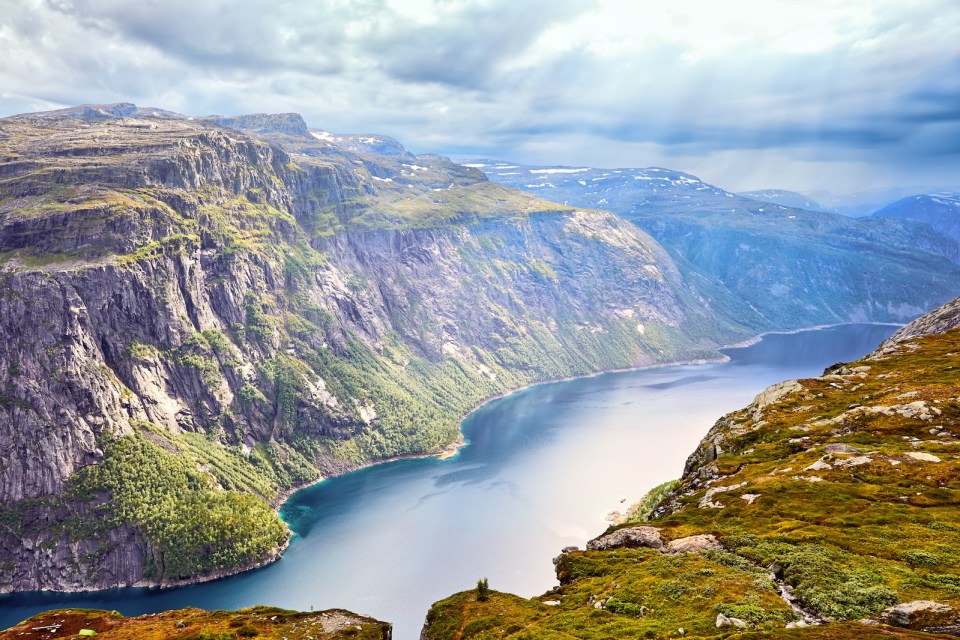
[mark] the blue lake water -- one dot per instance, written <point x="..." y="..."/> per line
<point x="543" y="468"/>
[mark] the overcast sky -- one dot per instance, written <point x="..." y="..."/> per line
<point x="744" y="93"/>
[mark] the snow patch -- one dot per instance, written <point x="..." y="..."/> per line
<point x="558" y="170"/>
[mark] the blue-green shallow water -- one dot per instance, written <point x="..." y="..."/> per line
<point x="543" y="468"/>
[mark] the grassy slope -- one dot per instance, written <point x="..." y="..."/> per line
<point x="879" y="527"/>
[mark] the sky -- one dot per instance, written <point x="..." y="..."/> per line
<point x="747" y="94"/>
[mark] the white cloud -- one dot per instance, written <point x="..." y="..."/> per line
<point x="752" y="84"/>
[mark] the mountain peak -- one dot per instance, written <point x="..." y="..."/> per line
<point x="104" y="112"/>
<point x="284" y="123"/>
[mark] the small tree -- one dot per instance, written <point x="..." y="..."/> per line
<point x="483" y="590"/>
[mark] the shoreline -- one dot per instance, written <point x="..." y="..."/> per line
<point x="448" y="451"/>
<point x="757" y="338"/>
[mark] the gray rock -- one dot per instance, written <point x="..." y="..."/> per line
<point x="693" y="544"/>
<point x="631" y="537"/>
<point x="919" y="614"/>
<point x="738" y="623"/>
<point x="841" y="447"/>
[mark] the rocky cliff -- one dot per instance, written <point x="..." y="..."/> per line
<point x="827" y="508"/>
<point x="198" y="315"/>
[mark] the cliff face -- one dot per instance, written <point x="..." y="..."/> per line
<point x="828" y="503"/>
<point x="194" y="319"/>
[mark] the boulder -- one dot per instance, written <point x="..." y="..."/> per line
<point x="921" y="456"/>
<point x="819" y="465"/>
<point x="841" y="447"/>
<point x="631" y="537"/>
<point x="692" y="544"/>
<point x="919" y="614"/>
<point x="723" y="622"/>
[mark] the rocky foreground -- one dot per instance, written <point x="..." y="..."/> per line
<point x="828" y="508"/>
<point x="267" y="623"/>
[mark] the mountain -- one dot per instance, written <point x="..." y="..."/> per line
<point x="198" y="315"/>
<point x="940" y="210"/>
<point x="864" y="203"/>
<point x="790" y="199"/>
<point x="791" y="267"/>
<point x="829" y="503"/>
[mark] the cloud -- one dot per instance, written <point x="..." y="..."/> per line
<point x="846" y="86"/>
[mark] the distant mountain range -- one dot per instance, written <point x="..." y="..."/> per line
<point x="792" y="267"/>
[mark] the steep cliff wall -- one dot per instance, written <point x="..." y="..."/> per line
<point x="194" y="320"/>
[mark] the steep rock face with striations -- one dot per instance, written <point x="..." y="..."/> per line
<point x="828" y="506"/>
<point x="195" y="319"/>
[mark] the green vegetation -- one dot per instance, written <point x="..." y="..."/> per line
<point x="483" y="590"/>
<point x="874" y="527"/>
<point x="266" y="623"/>
<point x="428" y="209"/>
<point x="641" y="511"/>
<point x="193" y="527"/>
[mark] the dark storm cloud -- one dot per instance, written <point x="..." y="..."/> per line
<point x="254" y="36"/>
<point x="465" y="51"/>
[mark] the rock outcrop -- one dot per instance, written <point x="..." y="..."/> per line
<point x="939" y="320"/>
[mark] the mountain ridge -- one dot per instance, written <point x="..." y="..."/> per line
<point x="792" y="267"/>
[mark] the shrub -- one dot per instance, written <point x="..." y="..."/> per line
<point x="483" y="590"/>
<point x="920" y="558"/>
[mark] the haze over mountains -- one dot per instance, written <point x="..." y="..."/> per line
<point x="791" y="266"/>
<point x="940" y="210"/>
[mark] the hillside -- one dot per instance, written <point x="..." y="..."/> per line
<point x="199" y="315"/>
<point x="829" y="503"/>
<point x="792" y="267"/>
<point x="785" y="198"/>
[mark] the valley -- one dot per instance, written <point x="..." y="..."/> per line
<point x="204" y="315"/>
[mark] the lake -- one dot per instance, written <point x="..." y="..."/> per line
<point x="542" y="469"/>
